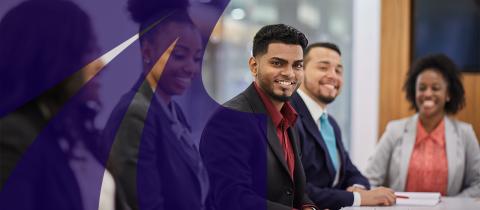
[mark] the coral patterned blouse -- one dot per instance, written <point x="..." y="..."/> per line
<point x="428" y="168"/>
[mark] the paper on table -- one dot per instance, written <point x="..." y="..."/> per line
<point x="418" y="199"/>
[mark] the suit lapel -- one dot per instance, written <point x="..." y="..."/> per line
<point x="169" y="136"/>
<point x="271" y="132"/>
<point x="274" y="144"/>
<point x="408" y="143"/>
<point x="451" y="140"/>
<point x="312" y="129"/>
<point x="296" y="150"/>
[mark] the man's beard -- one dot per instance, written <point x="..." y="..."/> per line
<point x="269" y="92"/>
<point x="326" y="99"/>
<point x="282" y="98"/>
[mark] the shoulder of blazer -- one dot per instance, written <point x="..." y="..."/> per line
<point x="398" y="127"/>
<point x="136" y="101"/>
<point x="247" y="101"/>
<point x="299" y="105"/>
<point x="459" y="126"/>
<point x="238" y="103"/>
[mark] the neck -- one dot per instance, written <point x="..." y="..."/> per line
<point x="278" y="104"/>
<point x="165" y="97"/>
<point x="431" y="122"/>
<point x="158" y="91"/>
<point x="309" y="94"/>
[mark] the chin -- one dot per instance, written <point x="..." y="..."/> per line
<point x="175" y="91"/>
<point x="429" y="113"/>
<point x="326" y="99"/>
<point x="281" y="97"/>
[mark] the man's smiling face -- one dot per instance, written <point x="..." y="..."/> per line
<point x="279" y="72"/>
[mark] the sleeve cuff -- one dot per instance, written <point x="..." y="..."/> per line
<point x="359" y="186"/>
<point x="357" y="200"/>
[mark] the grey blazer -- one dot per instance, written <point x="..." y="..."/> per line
<point x="389" y="164"/>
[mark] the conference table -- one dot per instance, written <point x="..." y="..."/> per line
<point x="450" y="203"/>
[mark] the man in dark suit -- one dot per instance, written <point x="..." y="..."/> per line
<point x="249" y="146"/>
<point x="332" y="179"/>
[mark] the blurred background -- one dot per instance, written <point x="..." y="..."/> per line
<point x="379" y="40"/>
<point x="225" y="70"/>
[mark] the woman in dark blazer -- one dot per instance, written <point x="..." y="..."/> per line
<point x="153" y="155"/>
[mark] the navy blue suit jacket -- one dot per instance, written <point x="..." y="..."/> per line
<point x="318" y="166"/>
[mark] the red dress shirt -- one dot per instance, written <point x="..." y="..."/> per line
<point x="283" y="119"/>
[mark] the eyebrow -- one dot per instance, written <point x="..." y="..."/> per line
<point x="184" y="47"/>
<point x="327" y="62"/>
<point x="283" y="60"/>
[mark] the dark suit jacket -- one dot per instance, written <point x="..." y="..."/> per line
<point x="153" y="170"/>
<point x="17" y="131"/>
<point x="318" y="165"/>
<point x="35" y="173"/>
<point x="245" y="160"/>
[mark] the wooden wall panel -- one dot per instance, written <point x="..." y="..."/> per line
<point x="471" y="112"/>
<point x="394" y="60"/>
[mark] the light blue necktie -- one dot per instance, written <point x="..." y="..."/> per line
<point x="326" y="130"/>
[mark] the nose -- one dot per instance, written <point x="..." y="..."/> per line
<point x="191" y="66"/>
<point x="288" y="72"/>
<point x="331" y="73"/>
<point x="428" y="92"/>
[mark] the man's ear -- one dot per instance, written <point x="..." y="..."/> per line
<point x="253" y="65"/>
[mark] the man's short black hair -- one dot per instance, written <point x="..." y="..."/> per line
<point x="327" y="45"/>
<point x="278" y="33"/>
<point x="447" y="68"/>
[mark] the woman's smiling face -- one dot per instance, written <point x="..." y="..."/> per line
<point x="431" y="93"/>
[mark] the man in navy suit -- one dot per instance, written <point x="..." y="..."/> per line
<point x="332" y="180"/>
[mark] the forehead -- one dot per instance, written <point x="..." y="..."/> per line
<point x="322" y="53"/>
<point x="291" y="52"/>
<point x="430" y="75"/>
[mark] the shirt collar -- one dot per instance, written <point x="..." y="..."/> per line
<point x="437" y="135"/>
<point x="315" y="110"/>
<point x="287" y="112"/>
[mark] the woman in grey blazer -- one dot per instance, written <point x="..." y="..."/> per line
<point x="434" y="89"/>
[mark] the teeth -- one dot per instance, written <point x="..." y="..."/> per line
<point x="285" y="82"/>
<point x="428" y="103"/>
<point x="185" y="80"/>
<point x="332" y="87"/>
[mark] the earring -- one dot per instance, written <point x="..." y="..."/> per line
<point x="146" y="60"/>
